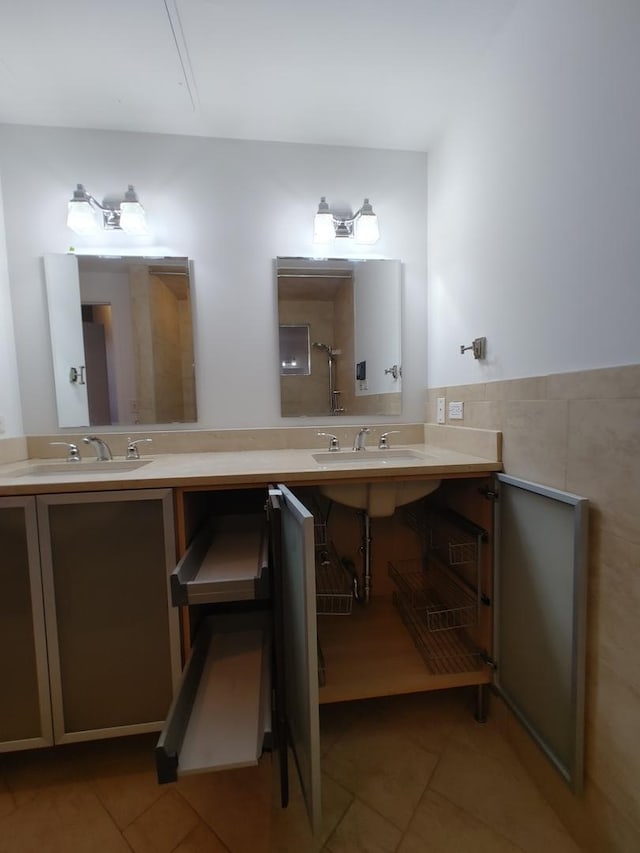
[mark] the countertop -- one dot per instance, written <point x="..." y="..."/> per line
<point x="239" y="467"/>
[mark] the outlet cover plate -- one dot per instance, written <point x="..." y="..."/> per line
<point x="456" y="411"/>
<point x="440" y="411"/>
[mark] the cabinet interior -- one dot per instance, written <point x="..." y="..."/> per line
<point x="375" y="648"/>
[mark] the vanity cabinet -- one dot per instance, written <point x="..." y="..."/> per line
<point x="25" y="709"/>
<point x="90" y="643"/>
<point x="486" y="585"/>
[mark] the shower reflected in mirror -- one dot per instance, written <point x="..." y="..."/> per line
<point x="334" y="395"/>
<point x="348" y="313"/>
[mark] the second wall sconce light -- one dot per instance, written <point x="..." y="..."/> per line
<point x="361" y="227"/>
<point x="85" y="215"/>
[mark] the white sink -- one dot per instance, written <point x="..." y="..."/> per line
<point x="378" y="499"/>
<point x="48" y="469"/>
<point x="368" y="457"/>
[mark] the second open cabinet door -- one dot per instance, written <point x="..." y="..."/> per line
<point x="540" y="615"/>
<point x="296" y="643"/>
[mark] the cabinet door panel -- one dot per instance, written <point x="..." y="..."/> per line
<point x="300" y="647"/>
<point x="540" y="594"/>
<point x="25" y="709"/>
<point x="112" y="638"/>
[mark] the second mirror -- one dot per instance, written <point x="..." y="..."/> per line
<point x="340" y="336"/>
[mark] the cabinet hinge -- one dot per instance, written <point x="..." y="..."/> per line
<point x="489" y="494"/>
<point x="488" y="660"/>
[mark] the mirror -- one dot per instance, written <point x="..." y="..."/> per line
<point x="349" y="314"/>
<point x="122" y="340"/>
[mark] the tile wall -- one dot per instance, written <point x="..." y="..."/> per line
<point x="581" y="432"/>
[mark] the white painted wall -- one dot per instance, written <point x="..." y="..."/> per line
<point x="10" y="409"/>
<point x="534" y="200"/>
<point x="230" y="206"/>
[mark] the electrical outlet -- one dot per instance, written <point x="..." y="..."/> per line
<point x="456" y="411"/>
<point x="3" y="424"/>
<point x="440" y="411"/>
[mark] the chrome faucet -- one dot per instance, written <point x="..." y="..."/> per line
<point x="359" y="443"/>
<point x="103" y="453"/>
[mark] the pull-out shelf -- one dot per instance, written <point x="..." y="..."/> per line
<point x="221" y="713"/>
<point x="226" y="562"/>
<point x="222" y="710"/>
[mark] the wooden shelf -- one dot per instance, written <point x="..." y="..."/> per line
<point x="370" y="653"/>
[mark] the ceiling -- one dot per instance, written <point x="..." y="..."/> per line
<point x="366" y="73"/>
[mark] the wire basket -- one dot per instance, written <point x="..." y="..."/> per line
<point x="334" y="594"/>
<point x="439" y="602"/>
<point x="454" y="538"/>
<point x="443" y="652"/>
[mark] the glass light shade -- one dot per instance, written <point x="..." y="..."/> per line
<point x="133" y="219"/>
<point x="323" y="229"/>
<point x="82" y="218"/>
<point x="366" y="228"/>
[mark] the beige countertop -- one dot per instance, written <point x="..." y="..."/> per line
<point x="240" y="467"/>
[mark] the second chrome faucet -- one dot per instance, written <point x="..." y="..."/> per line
<point x="103" y="451"/>
<point x="360" y="441"/>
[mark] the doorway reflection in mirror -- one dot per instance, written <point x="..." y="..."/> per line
<point x="129" y="322"/>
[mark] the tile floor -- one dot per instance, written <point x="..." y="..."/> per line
<point x="410" y="774"/>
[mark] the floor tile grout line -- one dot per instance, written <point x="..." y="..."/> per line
<point x="202" y="820"/>
<point x="371" y="808"/>
<point x="374" y="809"/>
<point x="204" y="823"/>
<point x="340" y="819"/>
<point x="91" y="785"/>
<point x="480" y="820"/>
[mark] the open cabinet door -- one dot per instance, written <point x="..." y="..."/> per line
<point x="295" y="595"/>
<point x="540" y="615"/>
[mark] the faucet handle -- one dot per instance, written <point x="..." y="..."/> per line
<point x="334" y="444"/>
<point x="132" y="447"/>
<point x="383" y="443"/>
<point x="73" y="456"/>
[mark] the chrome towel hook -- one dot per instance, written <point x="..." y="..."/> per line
<point x="479" y="347"/>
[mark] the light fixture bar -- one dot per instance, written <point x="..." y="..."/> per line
<point x="85" y="214"/>
<point x="361" y="227"/>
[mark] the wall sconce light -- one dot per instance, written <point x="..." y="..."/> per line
<point x="361" y="227"/>
<point x="85" y="215"/>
